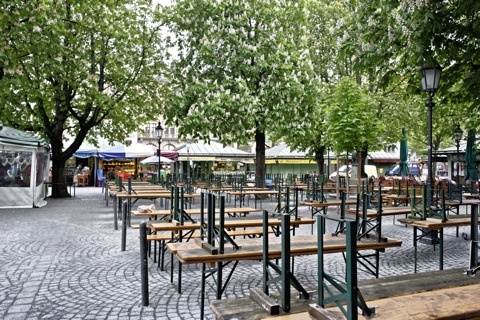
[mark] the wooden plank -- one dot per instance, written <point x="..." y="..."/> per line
<point x="372" y="289"/>
<point x="451" y="303"/>
<point x="238" y="222"/>
<point x="437" y="224"/>
<point x="266" y="302"/>
<point x="243" y="210"/>
<point x="151" y="213"/>
<point x="329" y="204"/>
<point x="206" y="246"/>
<point x="252" y="249"/>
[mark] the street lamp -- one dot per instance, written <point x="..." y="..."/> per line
<point x="430" y="81"/>
<point x="458" y="133"/>
<point x="159" y="133"/>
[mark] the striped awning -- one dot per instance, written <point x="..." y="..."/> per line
<point x="16" y="137"/>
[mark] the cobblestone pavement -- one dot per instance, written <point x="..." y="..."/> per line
<point x="63" y="261"/>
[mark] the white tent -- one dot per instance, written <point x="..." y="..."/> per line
<point x="24" y="166"/>
<point x="154" y="160"/>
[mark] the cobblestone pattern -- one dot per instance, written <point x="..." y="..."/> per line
<point x="63" y="261"/>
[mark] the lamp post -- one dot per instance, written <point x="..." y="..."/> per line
<point x="188" y="143"/>
<point x="430" y="81"/>
<point x="458" y="133"/>
<point x="159" y="133"/>
<point x="328" y="163"/>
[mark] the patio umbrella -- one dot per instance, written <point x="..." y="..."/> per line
<point x="154" y="160"/>
<point x="471" y="157"/>
<point x="403" y="154"/>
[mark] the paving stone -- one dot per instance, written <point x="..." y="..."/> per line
<point x="66" y="263"/>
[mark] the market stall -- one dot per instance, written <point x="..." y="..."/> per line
<point x="24" y="166"/>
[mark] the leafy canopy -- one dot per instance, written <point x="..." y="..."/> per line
<point x="241" y="67"/>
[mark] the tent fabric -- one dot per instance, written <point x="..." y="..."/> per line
<point x="471" y="157"/>
<point x="173" y="155"/>
<point x="136" y="150"/>
<point x="87" y="150"/>
<point x="403" y="154"/>
<point x="16" y="137"/>
<point x="154" y="160"/>
<point x="86" y="153"/>
<point x="24" y="166"/>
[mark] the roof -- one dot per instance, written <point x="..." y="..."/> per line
<point x="453" y="149"/>
<point x="383" y="156"/>
<point x="283" y="151"/>
<point x="16" y="137"/>
<point x="212" y="149"/>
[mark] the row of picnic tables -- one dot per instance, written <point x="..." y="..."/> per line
<point x="249" y="249"/>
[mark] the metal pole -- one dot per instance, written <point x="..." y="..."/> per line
<point x="285" y="275"/>
<point x="159" y="143"/>
<point x="144" y="262"/>
<point x="458" y="163"/>
<point x="430" y="106"/>
<point x="124" y="226"/>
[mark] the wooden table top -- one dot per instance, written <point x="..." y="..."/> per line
<point x="254" y="192"/>
<point x="386" y="211"/>
<point x="243" y="210"/>
<point x="329" y="203"/>
<point x="239" y="222"/>
<point x="252" y="249"/>
<point x="448" y="303"/>
<point x="437" y="224"/>
<point x="151" y="213"/>
<point x="153" y="195"/>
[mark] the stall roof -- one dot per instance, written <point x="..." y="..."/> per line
<point x="16" y="137"/>
<point x="283" y="151"/>
<point x="213" y="150"/>
<point x="383" y="156"/>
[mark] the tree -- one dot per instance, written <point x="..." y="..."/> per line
<point x="242" y="70"/>
<point x="328" y="21"/>
<point x="408" y="34"/>
<point x="78" y="68"/>
<point x="322" y="20"/>
<point x="353" y="125"/>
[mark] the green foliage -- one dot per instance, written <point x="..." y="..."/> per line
<point x="351" y="118"/>
<point x="70" y="66"/>
<point x="404" y="35"/>
<point x="241" y="67"/>
<point x="78" y="68"/>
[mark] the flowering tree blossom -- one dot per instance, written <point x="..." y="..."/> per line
<point x="242" y="70"/>
<point x="79" y="69"/>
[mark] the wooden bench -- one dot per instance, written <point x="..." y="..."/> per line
<point x="451" y="303"/>
<point x="372" y="290"/>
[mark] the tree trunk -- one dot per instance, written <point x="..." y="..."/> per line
<point x="260" y="159"/>
<point x="320" y="160"/>
<point x="59" y="178"/>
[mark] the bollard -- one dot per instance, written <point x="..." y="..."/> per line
<point x="115" y="213"/>
<point x="124" y="226"/>
<point x="144" y="263"/>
